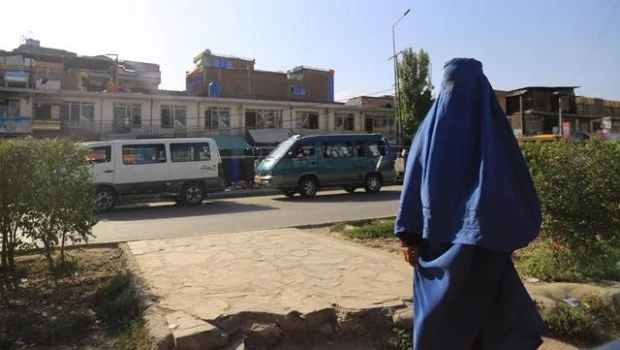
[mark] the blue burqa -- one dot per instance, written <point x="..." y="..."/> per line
<point x="468" y="201"/>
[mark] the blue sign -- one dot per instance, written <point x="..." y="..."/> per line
<point x="220" y="63"/>
<point x="15" y="125"/>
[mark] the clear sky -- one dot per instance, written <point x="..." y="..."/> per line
<point x="524" y="43"/>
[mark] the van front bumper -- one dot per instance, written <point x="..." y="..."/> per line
<point x="264" y="181"/>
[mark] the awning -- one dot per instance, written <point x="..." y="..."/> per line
<point x="269" y="136"/>
<point x="228" y="142"/>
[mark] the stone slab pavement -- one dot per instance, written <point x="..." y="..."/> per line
<point x="285" y="278"/>
<point x="275" y="271"/>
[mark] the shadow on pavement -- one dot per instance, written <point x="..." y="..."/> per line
<point x="357" y="196"/>
<point x="164" y="211"/>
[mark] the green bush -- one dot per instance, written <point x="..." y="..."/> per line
<point x="595" y="321"/>
<point x="117" y="304"/>
<point x="366" y="229"/>
<point x="46" y="197"/>
<point x="578" y="184"/>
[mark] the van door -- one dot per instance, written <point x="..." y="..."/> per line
<point x="337" y="164"/>
<point x="141" y="168"/>
<point x="102" y="163"/>
<point x="193" y="161"/>
<point x="300" y="160"/>
<point x="371" y="154"/>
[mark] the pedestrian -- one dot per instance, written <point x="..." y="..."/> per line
<point x="467" y="203"/>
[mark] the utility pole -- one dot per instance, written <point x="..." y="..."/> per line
<point x="399" y="128"/>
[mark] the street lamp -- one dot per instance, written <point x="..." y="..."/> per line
<point x="399" y="129"/>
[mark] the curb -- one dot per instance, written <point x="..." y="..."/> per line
<point x="154" y="320"/>
<point x="331" y="223"/>
<point x="71" y="247"/>
<point x="243" y="194"/>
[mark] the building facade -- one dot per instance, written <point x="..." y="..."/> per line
<point x="107" y="115"/>
<point x="32" y="66"/>
<point x="235" y="77"/>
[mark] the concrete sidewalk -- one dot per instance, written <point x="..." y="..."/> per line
<point x="264" y="288"/>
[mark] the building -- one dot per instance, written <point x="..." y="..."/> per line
<point x="235" y="77"/>
<point x="603" y="115"/>
<point x="536" y="110"/>
<point x="539" y="110"/>
<point x="32" y="66"/>
<point x="94" y="115"/>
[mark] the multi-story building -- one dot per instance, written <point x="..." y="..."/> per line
<point x="603" y="115"/>
<point x="235" y="77"/>
<point x="39" y="69"/>
<point x="107" y="115"/>
<point x="536" y="110"/>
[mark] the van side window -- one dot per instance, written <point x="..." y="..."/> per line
<point x="303" y="151"/>
<point x="337" y="150"/>
<point x="370" y="149"/>
<point x="144" y="154"/>
<point x="102" y="154"/>
<point x="190" y="152"/>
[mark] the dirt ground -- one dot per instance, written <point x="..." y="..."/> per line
<point x="54" y="311"/>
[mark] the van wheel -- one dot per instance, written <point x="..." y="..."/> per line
<point x="192" y="194"/>
<point x="308" y="186"/>
<point x="105" y="199"/>
<point x="373" y="183"/>
<point x="289" y="193"/>
<point x="350" y="189"/>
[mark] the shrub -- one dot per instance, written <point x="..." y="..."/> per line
<point x="116" y="303"/>
<point x="593" y="322"/>
<point x="578" y="184"/>
<point x="366" y="229"/>
<point x="46" y="196"/>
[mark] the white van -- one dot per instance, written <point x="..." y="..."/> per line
<point x="182" y="169"/>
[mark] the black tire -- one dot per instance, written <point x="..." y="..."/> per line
<point x="289" y="193"/>
<point x="105" y="199"/>
<point x="373" y="183"/>
<point x="192" y="194"/>
<point x="350" y="189"/>
<point x="308" y="187"/>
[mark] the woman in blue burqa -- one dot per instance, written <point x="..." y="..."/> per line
<point x="467" y="203"/>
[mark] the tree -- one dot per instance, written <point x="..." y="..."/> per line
<point x="415" y="90"/>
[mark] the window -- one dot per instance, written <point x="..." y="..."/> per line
<point x="344" y="121"/>
<point x="217" y="118"/>
<point x="303" y="150"/>
<point x="10" y="109"/>
<point x="144" y="154"/>
<point x="98" y="155"/>
<point x="370" y="149"/>
<point x="337" y="150"/>
<point x="383" y="124"/>
<point x="173" y="116"/>
<point x="76" y="113"/>
<point x="189" y="152"/>
<point x="126" y="116"/>
<point x="297" y="90"/>
<point x="307" y="120"/>
<point x="263" y="118"/>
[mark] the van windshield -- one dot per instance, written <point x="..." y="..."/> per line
<point x="281" y="150"/>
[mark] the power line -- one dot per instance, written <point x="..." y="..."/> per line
<point x="598" y="39"/>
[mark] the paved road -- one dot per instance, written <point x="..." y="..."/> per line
<point x="165" y="220"/>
